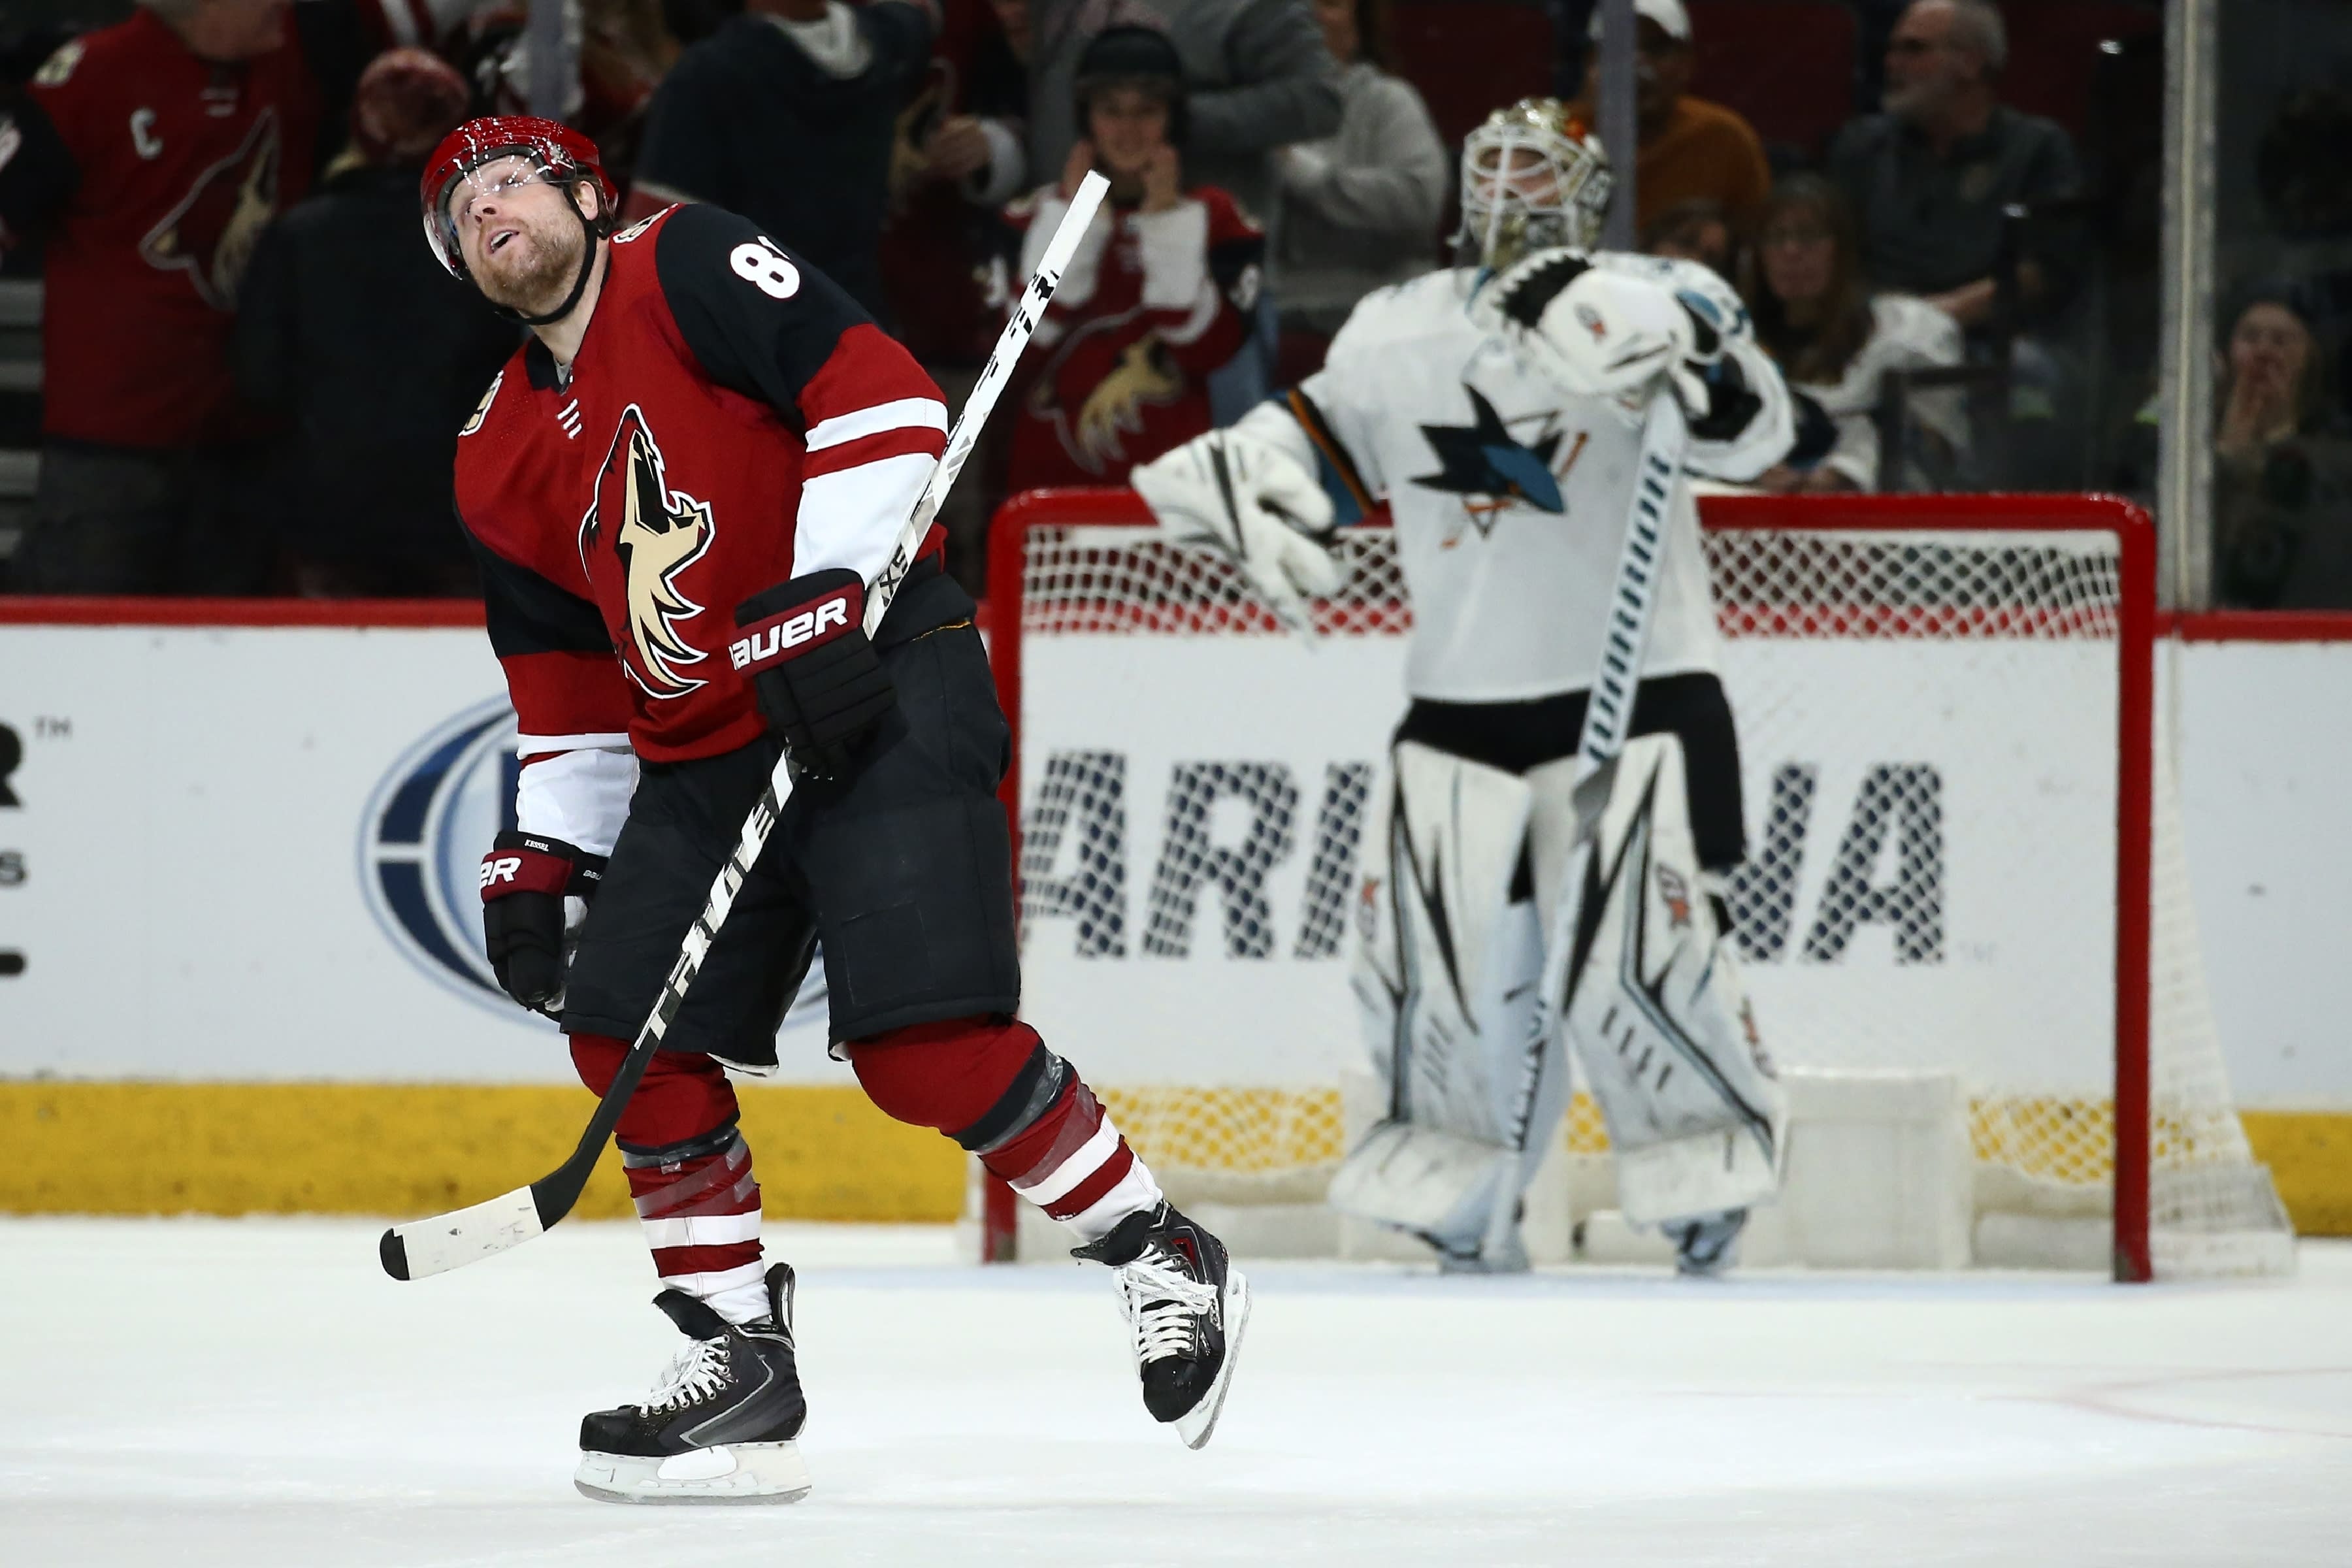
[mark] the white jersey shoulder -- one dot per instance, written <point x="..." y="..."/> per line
<point x="1509" y="497"/>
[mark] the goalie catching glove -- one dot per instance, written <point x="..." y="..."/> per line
<point x="1246" y="497"/>
<point x="1596" y="331"/>
<point x="535" y="893"/>
<point x="817" y="680"/>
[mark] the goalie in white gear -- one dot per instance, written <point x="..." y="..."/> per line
<point x="1497" y="408"/>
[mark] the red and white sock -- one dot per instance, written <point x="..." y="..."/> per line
<point x="1076" y="1166"/>
<point x="699" y="1205"/>
<point x="991" y="1084"/>
<point x="690" y="1172"/>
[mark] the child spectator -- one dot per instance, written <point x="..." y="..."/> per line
<point x="1834" y="341"/>
<point x="350" y="328"/>
<point x="1361" y="208"/>
<point x="1256" y="74"/>
<point x="1690" y="148"/>
<point x="1161" y="290"/>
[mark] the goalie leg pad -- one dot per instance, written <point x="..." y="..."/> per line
<point x="1655" y="1010"/>
<point x="1444" y="979"/>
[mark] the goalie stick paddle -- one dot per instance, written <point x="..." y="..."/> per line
<point x="1608" y="718"/>
<point x="465" y="1235"/>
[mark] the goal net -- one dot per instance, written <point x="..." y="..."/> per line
<point x="1963" y="855"/>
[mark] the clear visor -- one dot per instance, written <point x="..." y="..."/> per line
<point x="487" y="184"/>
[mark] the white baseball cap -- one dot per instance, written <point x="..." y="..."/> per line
<point x="1670" y="15"/>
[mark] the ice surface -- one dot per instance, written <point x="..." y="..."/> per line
<point x="187" y="1394"/>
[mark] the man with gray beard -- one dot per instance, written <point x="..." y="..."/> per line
<point x="1932" y="176"/>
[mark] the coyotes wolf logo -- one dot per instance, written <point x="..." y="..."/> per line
<point x="655" y="533"/>
<point x="211" y="233"/>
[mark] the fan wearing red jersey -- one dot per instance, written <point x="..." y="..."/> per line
<point x="1158" y="293"/>
<point x="149" y="156"/>
<point x="678" y="492"/>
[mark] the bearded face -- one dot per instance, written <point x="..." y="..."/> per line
<point x="522" y="237"/>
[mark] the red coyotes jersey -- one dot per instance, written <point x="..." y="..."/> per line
<point x="1152" y="303"/>
<point x="182" y="163"/>
<point x="733" y="420"/>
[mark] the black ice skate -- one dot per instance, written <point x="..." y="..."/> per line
<point x="720" y="1426"/>
<point x="1188" y="1308"/>
<point x="1706" y="1245"/>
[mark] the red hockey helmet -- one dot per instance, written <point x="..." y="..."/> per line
<point x="561" y="155"/>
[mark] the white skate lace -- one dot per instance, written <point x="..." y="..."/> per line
<point x="1160" y="1301"/>
<point x="693" y="1375"/>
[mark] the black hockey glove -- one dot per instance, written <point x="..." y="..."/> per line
<point x="526" y="877"/>
<point x="1730" y="404"/>
<point x="818" y="681"/>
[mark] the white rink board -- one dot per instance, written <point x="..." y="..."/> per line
<point x="200" y="829"/>
<point x="2022" y="915"/>
<point x="186" y="868"/>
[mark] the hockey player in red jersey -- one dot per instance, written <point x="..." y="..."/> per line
<point x="1158" y="294"/>
<point x="678" y="491"/>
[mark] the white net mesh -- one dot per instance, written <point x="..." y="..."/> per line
<point x="1928" y="720"/>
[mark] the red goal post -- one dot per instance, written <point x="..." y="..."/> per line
<point x="1839" y="615"/>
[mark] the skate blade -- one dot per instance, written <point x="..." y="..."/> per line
<point x="1198" y="1423"/>
<point x="729" y="1472"/>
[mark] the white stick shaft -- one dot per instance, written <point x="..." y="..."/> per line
<point x="1608" y="714"/>
<point x="1026" y="312"/>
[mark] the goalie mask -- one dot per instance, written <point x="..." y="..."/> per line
<point x="486" y="156"/>
<point x="1532" y="178"/>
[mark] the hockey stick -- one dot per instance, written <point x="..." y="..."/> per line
<point x="465" y="1235"/>
<point x="1608" y="719"/>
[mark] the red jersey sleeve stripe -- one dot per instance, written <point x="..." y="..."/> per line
<point x="867" y="371"/>
<point x="898" y="414"/>
<point x="874" y="449"/>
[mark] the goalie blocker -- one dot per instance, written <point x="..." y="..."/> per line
<point x="1466" y="860"/>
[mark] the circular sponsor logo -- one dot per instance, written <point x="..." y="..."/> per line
<point x="427" y="824"/>
<point x="421" y="846"/>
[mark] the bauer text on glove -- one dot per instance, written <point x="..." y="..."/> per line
<point x="528" y="880"/>
<point x="819" y="683"/>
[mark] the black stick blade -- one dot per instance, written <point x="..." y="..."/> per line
<point x="394" y="1253"/>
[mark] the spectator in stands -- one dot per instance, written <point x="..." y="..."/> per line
<point x="957" y="159"/>
<point x="1697" y="230"/>
<point x="1932" y="177"/>
<point x="350" y="327"/>
<point x="1258" y="77"/>
<point x="2282" y="461"/>
<point x="151" y="154"/>
<point x="787" y="115"/>
<point x="960" y="154"/>
<point x="1690" y="148"/>
<point x="626" y="49"/>
<point x="1158" y="292"/>
<point x="1360" y="209"/>
<point x="1835" y="341"/>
